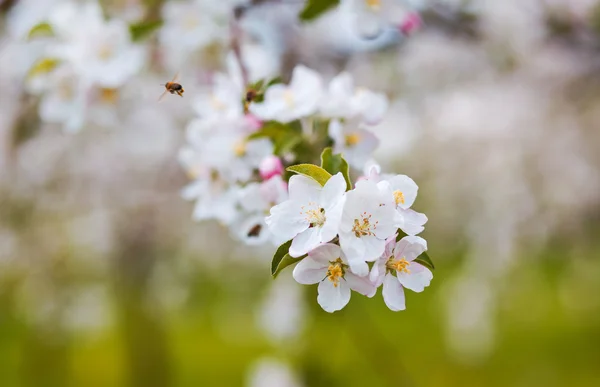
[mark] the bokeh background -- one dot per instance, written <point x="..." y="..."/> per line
<point x="105" y="279"/>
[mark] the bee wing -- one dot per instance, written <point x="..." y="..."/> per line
<point x="176" y="77"/>
<point x="162" y="95"/>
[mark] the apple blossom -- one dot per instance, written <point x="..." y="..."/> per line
<point x="328" y="266"/>
<point x="311" y="215"/>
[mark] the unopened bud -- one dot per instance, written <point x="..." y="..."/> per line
<point x="270" y="166"/>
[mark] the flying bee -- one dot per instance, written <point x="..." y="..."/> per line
<point x="172" y="87"/>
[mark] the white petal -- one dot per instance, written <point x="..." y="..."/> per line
<point x="305" y="241"/>
<point x="393" y="294"/>
<point x="361" y="285"/>
<point x="354" y="250"/>
<point x="411" y="221"/>
<point x="304" y="189"/>
<point x="410" y="247"/>
<point x="374" y="247"/>
<point x="333" y="218"/>
<point x="286" y="220"/>
<point x="333" y="190"/>
<point x="377" y="273"/>
<point x="308" y="271"/>
<point x="419" y="278"/>
<point x="332" y="298"/>
<point x="326" y="253"/>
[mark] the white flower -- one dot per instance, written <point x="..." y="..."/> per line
<point x="214" y="198"/>
<point x="397" y="270"/>
<point x="367" y="221"/>
<point x="355" y="143"/>
<point x="311" y="215"/>
<point x="256" y="199"/>
<point x="327" y="266"/>
<point x="65" y="102"/>
<point x="286" y="103"/>
<point x="342" y="100"/>
<point x="101" y="52"/>
<point x="372" y="16"/>
<point x="405" y="190"/>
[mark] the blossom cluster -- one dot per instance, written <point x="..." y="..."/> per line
<point x="244" y="137"/>
<point x="356" y="239"/>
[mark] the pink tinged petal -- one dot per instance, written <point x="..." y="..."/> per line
<point x="407" y="186"/>
<point x="270" y="166"/>
<point x="309" y="271"/>
<point x="378" y="271"/>
<point x="411" y="222"/>
<point x="332" y="298"/>
<point x="411" y="247"/>
<point x="303" y="189"/>
<point x="361" y="285"/>
<point x="325" y="253"/>
<point x="393" y="294"/>
<point x="418" y="279"/>
<point x="305" y="241"/>
<point x="286" y="220"/>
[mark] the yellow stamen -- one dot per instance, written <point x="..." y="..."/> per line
<point x="364" y="227"/>
<point x="288" y="97"/>
<point x="105" y="52"/>
<point x="400" y="265"/>
<point x="399" y="197"/>
<point x="109" y="95"/>
<point x="240" y="149"/>
<point x="316" y="217"/>
<point x="373" y="4"/>
<point x="335" y="271"/>
<point x="352" y="139"/>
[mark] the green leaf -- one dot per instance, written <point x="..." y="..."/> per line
<point x="318" y="174"/>
<point x="43" y="66"/>
<point x="142" y="30"/>
<point x="285" y="262"/>
<point x="284" y="137"/>
<point x="43" y="29"/>
<point x="315" y="8"/>
<point x="281" y="258"/>
<point x="334" y="164"/>
<point x="424" y="260"/>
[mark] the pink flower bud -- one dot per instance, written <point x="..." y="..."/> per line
<point x="252" y="122"/>
<point x="411" y="23"/>
<point x="270" y="166"/>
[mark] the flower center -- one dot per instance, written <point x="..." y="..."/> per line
<point x="363" y="226"/>
<point x="352" y="139"/>
<point x="109" y="95"/>
<point x="375" y="5"/>
<point x="316" y="217"/>
<point x="190" y="22"/>
<point x="216" y="104"/>
<point x="239" y="149"/>
<point x="288" y="97"/>
<point x="400" y="265"/>
<point x="399" y="197"/>
<point x="335" y="271"/>
<point x="105" y="52"/>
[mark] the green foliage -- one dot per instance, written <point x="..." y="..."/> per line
<point x="140" y="31"/>
<point x="315" y="8"/>
<point x="284" y="137"/>
<point x="43" y="66"/>
<point x="334" y="164"/>
<point x="316" y="173"/>
<point x="40" y="30"/>
<point x="281" y="259"/>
